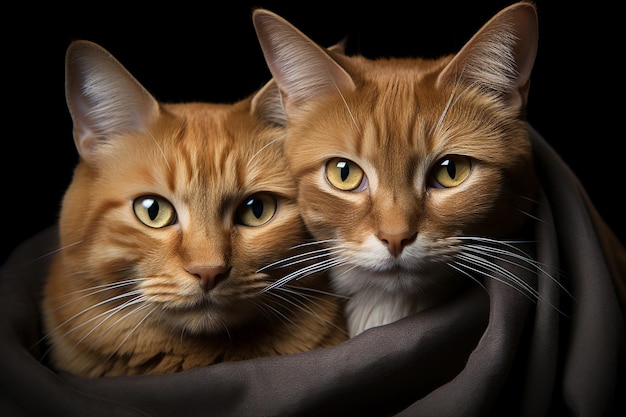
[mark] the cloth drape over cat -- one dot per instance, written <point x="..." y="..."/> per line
<point x="492" y="352"/>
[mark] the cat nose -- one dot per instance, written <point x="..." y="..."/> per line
<point x="208" y="275"/>
<point x="396" y="242"/>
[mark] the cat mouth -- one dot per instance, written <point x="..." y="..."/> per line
<point x="398" y="273"/>
<point x="394" y="266"/>
<point x="393" y="271"/>
<point x="202" y="304"/>
<point x="400" y="270"/>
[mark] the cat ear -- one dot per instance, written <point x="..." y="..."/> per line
<point x="103" y="98"/>
<point x="267" y="102"/>
<point x="500" y="56"/>
<point x="301" y="68"/>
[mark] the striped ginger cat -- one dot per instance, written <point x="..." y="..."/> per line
<point x="415" y="175"/>
<point x="172" y="216"/>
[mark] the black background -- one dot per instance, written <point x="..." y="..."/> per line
<point x="208" y="51"/>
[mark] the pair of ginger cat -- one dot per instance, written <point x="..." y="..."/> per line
<point x="346" y="193"/>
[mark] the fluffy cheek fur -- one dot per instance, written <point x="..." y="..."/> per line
<point x="496" y="204"/>
<point x="104" y="243"/>
<point x="329" y="213"/>
<point x="467" y="210"/>
<point x="480" y="207"/>
<point x="488" y="204"/>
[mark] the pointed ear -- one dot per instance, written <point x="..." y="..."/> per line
<point x="267" y="105"/>
<point x="500" y="56"/>
<point x="103" y="98"/>
<point x="301" y="68"/>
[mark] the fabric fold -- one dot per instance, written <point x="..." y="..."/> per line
<point x="487" y="352"/>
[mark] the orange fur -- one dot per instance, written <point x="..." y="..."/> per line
<point x="397" y="239"/>
<point x="200" y="299"/>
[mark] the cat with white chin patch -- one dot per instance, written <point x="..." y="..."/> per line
<point x="415" y="175"/>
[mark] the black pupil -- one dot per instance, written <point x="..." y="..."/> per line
<point x="451" y="169"/>
<point x="153" y="208"/>
<point x="345" y="170"/>
<point x="256" y="205"/>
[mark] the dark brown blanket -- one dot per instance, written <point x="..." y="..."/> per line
<point x="493" y="352"/>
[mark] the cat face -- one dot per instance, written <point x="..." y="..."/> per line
<point x="188" y="221"/>
<point x="400" y="161"/>
<point x="173" y="214"/>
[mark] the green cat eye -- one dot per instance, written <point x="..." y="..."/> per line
<point x="154" y="211"/>
<point x="451" y="171"/>
<point x="344" y="174"/>
<point x="257" y="209"/>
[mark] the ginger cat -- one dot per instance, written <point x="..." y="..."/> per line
<point x="167" y="229"/>
<point x="415" y="175"/>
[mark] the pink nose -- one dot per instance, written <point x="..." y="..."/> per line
<point x="209" y="275"/>
<point x="396" y="242"/>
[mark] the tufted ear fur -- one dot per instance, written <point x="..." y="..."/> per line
<point x="103" y="98"/>
<point x="500" y="56"/>
<point x="268" y="103"/>
<point x="301" y="68"/>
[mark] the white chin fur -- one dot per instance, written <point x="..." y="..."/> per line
<point x="377" y="298"/>
<point x="348" y="280"/>
<point x="373" y="308"/>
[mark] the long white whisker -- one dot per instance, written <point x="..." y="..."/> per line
<point x="315" y="243"/>
<point x="347" y="270"/>
<point x="497" y="278"/>
<point x="93" y="290"/>
<point x="80" y="313"/>
<point x="131" y="331"/>
<point x="493" y="267"/>
<point x="532" y="216"/>
<point x="296" y="259"/>
<point x="265" y="147"/>
<point x="345" y="103"/>
<point x="317" y="291"/>
<point x="520" y="255"/>
<point x="79" y="326"/>
<point x="301" y="273"/>
<point x="302" y="301"/>
<point x="467" y="274"/>
<point x="101" y="287"/>
<point x="161" y="151"/>
<point x="299" y="255"/>
<point x="268" y="308"/>
<point x="52" y="252"/>
<point x="109" y="313"/>
<point x="502" y="275"/>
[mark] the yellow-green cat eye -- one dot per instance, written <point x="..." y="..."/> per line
<point x="154" y="211"/>
<point x="451" y="171"/>
<point x="257" y="209"/>
<point x="344" y="174"/>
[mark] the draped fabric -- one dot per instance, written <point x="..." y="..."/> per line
<point x="490" y="351"/>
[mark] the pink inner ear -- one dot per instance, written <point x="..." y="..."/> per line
<point x="302" y="69"/>
<point x="104" y="99"/>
